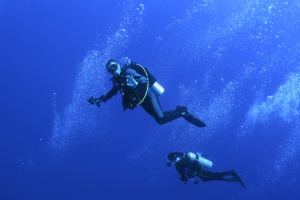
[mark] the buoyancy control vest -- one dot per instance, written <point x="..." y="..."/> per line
<point x="131" y="98"/>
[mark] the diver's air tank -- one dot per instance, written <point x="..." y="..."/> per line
<point x="197" y="157"/>
<point x="157" y="89"/>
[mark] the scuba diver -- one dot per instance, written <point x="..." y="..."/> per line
<point x="139" y="87"/>
<point x="192" y="165"/>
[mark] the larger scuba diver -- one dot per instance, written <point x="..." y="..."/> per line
<point x="192" y="165"/>
<point x="139" y="87"/>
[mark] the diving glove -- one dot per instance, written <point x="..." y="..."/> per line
<point x="97" y="101"/>
<point x="131" y="82"/>
<point x="142" y="80"/>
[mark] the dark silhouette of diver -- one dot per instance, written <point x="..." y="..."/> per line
<point x="139" y="87"/>
<point x="192" y="165"/>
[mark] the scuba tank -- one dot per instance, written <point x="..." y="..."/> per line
<point x="157" y="89"/>
<point x="197" y="157"/>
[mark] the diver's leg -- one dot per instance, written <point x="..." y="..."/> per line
<point x="152" y="106"/>
<point x="169" y="116"/>
<point x="211" y="176"/>
<point x="155" y="103"/>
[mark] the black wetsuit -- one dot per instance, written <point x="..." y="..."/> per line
<point x="151" y="102"/>
<point x="193" y="169"/>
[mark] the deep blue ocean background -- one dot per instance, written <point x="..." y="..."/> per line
<point x="235" y="64"/>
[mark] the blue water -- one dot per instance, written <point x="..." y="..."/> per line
<point x="235" y="64"/>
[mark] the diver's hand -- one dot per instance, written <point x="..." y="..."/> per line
<point x="97" y="101"/>
<point x="142" y="80"/>
<point x="131" y="82"/>
<point x="94" y="100"/>
<point x="91" y="100"/>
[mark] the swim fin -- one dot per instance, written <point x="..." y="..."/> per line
<point x="233" y="173"/>
<point x="194" y="120"/>
<point x="232" y="179"/>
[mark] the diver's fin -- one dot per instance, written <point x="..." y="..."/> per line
<point x="233" y="173"/>
<point x="233" y="179"/>
<point x="194" y="120"/>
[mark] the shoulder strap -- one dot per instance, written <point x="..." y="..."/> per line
<point x="137" y="67"/>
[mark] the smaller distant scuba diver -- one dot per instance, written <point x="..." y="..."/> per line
<point x="139" y="87"/>
<point x="192" y="165"/>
